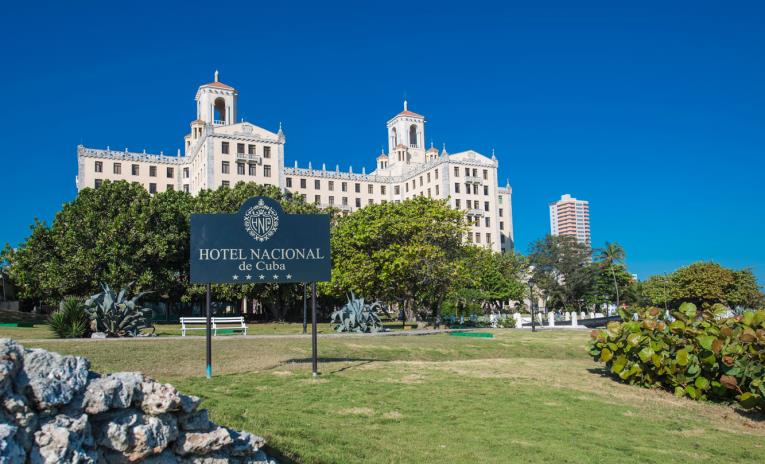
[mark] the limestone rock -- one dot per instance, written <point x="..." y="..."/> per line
<point x="137" y="435"/>
<point x="198" y="421"/>
<point x="202" y="443"/>
<point x="244" y="443"/>
<point x="11" y="354"/>
<point x="159" y="398"/>
<point x="51" y="380"/>
<point x="64" y="439"/>
<point x="10" y="450"/>
<point x="115" y="391"/>
<point x="189" y="403"/>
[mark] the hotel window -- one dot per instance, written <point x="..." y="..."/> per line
<point x="502" y="238"/>
<point x="436" y="189"/>
<point x="370" y="188"/>
<point x="186" y="188"/>
<point x="488" y="238"/>
<point x="467" y="188"/>
<point x="152" y="171"/>
<point x="475" y="172"/>
<point x="457" y="203"/>
<point x="289" y="182"/>
<point x="331" y="200"/>
<point x="486" y="206"/>
<point x="456" y="187"/>
<point x="357" y="188"/>
<point x="470" y="237"/>
<point x="224" y="167"/>
<point x="224" y="148"/>
<point x="170" y="173"/>
<point x="344" y="186"/>
<point x="345" y="201"/>
<point x="169" y="187"/>
<point x="240" y="148"/>
<point x="302" y="183"/>
<point x="420" y="181"/>
<point x="134" y="169"/>
<point x="485" y="174"/>
<point x="456" y="171"/>
<point x="99" y="167"/>
<point x="331" y="185"/>
<point x="117" y="168"/>
<point x="397" y="190"/>
<point x="251" y="149"/>
<point x="317" y="199"/>
<point x="370" y="202"/>
<point x="266" y="170"/>
<point x="500" y="212"/>
<point x="407" y="186"/>
<point x="436" y="173"/>
<point x="428" y="177"/>
<point x="266" y="152"/>
<point x="485" y="189"/>
<point x="185" y="173"/>
<point x="500" y="198"/>
<point x="252" y="170"/>
<point x="477" y="237"/>
<point x="428" y="193"/>
<point x="501" y="225"/>
<point x="317" y="184"/>
<point x="240" y="168"/>
<point x="358" y="202"/>
<point x="224" y="183"/>
<point x="98" y="183"/>
<point x="487" y="221"/>
<point x="152" y="188"/>
<point x="382" y="189"/>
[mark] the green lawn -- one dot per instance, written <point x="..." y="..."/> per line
<point x="519" y="397"/>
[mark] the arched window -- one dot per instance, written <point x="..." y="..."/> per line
<point x="220" y="110"/>
<point x="413" y="136"/>
<point x="394" y="138"/>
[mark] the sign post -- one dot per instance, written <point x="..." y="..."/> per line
<point x="314" y="350"/>
<point x="260" y="244"/>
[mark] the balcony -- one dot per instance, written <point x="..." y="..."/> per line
<point x="473" y="180"/>
<point x="218" y="122"/>
<point x="249" y="157"/>
<point x="475" y="212"/>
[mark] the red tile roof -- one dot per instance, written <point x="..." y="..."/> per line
<point x="219" y="85"/>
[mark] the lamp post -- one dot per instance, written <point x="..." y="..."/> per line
<point x="531" y="306"/>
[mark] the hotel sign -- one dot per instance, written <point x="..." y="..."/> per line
<point x="259" y="244"/>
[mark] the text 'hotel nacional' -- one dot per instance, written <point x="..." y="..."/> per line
<point x="221" y="152"/>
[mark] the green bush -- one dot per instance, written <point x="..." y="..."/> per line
<point x="507" y="322"/>
<point x="695" y="355"/>
<point x="70" y="320"/>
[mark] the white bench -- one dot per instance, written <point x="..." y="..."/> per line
<point x="187" y="321"/>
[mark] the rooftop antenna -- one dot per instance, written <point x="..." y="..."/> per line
<point x="216" y="75"/>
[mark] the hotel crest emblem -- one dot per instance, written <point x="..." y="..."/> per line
<point x="261" y="221"/>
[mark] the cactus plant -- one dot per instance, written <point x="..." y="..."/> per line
<point x="116" y="315"/>
<point x="356" y="316"/>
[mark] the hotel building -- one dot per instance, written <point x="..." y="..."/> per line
<point x="571" y="217"/>
<point x="219" y="151"/>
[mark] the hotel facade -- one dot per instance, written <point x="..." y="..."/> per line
<point x="219" y="151"/>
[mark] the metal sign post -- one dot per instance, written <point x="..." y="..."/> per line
<point x="314" y="349"/>
<point x="260" y="244"/>
<point x="305" y="307"/>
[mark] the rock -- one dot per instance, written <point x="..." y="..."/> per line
<point x="98" y="335"/>
<point x="137" y="435"/>
<point x="64" y="439"/>
<point x="50" y="380"/>
<point x="244" y="443"/>
<point x="189" y="403"/>
<point x="23" y="417"/>
<point x="11" y="451"/>
<point x="195" y="422"/>
<point x="159" y="398"/>
<point x="11" y="354"/>
<point x="202" y="443"/>
<point x="115" y="391"/>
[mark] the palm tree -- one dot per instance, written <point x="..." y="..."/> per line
<point x="610" y="255"/>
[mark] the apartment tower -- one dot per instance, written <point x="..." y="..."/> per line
<point x="571" y="217"/>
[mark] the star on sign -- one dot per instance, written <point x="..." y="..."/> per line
<point x="261" y="277"/>
<point x="289" y="276"/>
<point x="276" y="276"/>
<point x="248" y="277"/>
<point x="236" y="277"/>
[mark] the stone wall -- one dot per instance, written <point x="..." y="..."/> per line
<point x="55" y="410"/>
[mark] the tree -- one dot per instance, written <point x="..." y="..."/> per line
<point x="406" y="253"/>
<point x="561" y="268"/>
<point x="489" y="278"/>
<point x="610" y="256"/>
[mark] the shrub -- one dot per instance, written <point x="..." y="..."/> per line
<point x="356" y="316"/>
<point x="116" y="315"/>
<point x="696" y="355"/>
<point x="70" y="320"/>
<point x="507" y="322"/>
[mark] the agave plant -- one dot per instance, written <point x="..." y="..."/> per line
<point x="117" y="316"/>
<point x="70" y="320"/>
<point x="356" y="316"/>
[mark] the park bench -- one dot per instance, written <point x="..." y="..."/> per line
<point x="187" y="323"/>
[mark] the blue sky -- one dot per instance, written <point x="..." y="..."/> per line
<point x="655" y="113"/>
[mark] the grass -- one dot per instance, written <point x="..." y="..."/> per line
<point x="519" y="397"/>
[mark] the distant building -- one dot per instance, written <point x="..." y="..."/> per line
<point x="571" y="217"/>
<point x="220" y="151"/>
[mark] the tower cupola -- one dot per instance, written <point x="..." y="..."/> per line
<point x="216" y="103"/>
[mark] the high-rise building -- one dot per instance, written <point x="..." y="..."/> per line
<point x="571" y="217"/>
<point x="220" y="151"/>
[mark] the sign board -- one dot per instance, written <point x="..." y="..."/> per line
<point x="260" y="244"/>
